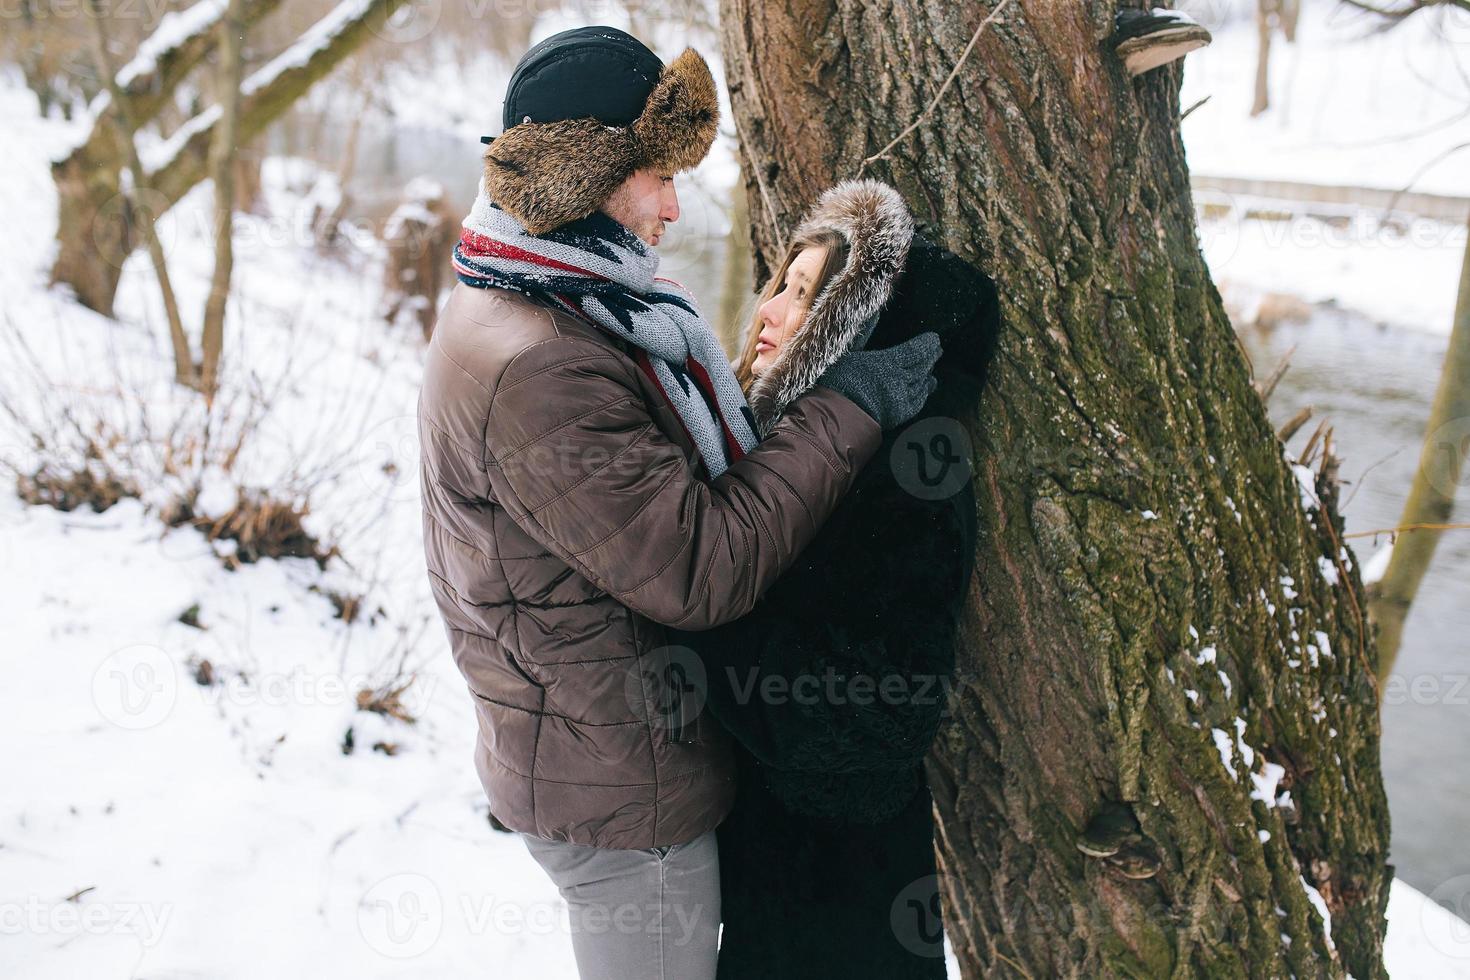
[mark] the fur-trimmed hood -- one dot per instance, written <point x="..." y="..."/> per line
<point x="878" y="227"/>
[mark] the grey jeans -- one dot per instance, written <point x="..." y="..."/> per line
<point x="642" y="914"/>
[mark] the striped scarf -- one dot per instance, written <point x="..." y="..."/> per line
<point x="598" y="270"/>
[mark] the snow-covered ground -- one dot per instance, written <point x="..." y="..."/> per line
<point x="153" y="826"/>
<point x="1400" y="275"/>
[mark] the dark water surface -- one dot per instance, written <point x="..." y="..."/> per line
<point x="1375" y="384"/>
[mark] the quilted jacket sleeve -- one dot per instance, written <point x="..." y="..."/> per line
<point x="575" y="458"/>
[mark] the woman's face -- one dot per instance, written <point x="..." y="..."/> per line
<point x="781" y="316"/>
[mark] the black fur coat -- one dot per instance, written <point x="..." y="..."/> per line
<point x="827" y="858"/>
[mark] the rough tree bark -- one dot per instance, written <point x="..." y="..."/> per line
<point x="1161" y="615"/>
<point x="125" y="126"/>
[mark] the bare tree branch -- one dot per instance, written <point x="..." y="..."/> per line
<point x="1395" y="17"/>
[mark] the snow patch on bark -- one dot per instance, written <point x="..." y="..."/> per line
<point x="1329" y="569"/>
<point x="1306" y="482"/>
<point x="1266" y="783"/>
<point x="1320" y="904"/>
<point x="1374" y="567"/>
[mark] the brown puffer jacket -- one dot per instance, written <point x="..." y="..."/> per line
<point x="564" y="521"/>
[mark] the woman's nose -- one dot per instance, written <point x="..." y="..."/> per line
<point x="768" y="313"/>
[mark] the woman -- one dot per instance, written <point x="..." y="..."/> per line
<point x="835" y="684"/>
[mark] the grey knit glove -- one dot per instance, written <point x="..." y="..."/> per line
<point x="891" y="384"/>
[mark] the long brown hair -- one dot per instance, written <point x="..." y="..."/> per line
<point x="836" y="246"/>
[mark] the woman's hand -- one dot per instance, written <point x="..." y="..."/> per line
<point x="892" y="384"/>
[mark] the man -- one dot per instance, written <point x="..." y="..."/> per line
<point x="591" y="474"/>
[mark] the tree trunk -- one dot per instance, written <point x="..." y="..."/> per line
<point x="1291" y="13"/>
<point x="124" y="126"/>
<point x="419" y="236"/>
<point x="735" y="287"/>
<point x="1261" y="98"/>
<point x="94" y="229"/>
<point x="222" y="172"/>
<point x="95" y="226"/>
<point x="1432" y="495"/>
<point x="1160" y="616"/>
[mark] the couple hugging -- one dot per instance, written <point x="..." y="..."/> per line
<point x="705" y="610"/>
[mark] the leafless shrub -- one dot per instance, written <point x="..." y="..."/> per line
<point x="258" y="526"/>
<point x="173" y="450"/>
<point x="387" y="701"/>
<point x="68" y="488"/>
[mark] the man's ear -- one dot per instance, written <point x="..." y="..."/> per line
<point x="588" y="159"/>
<point x="612" y="205"/>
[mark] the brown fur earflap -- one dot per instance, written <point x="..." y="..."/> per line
<point x="679" y="121"/>
<point x="547" y="174"/>
<point x="876" y="222"/>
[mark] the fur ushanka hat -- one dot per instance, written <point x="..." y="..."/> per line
<point x="583" y="110"/>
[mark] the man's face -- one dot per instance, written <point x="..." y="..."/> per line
<point x="643" y="203"/>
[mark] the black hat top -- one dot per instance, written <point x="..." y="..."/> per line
<point x="586" y="71"/>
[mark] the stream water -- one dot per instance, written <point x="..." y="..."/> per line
<point x="1375" y="384"/>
